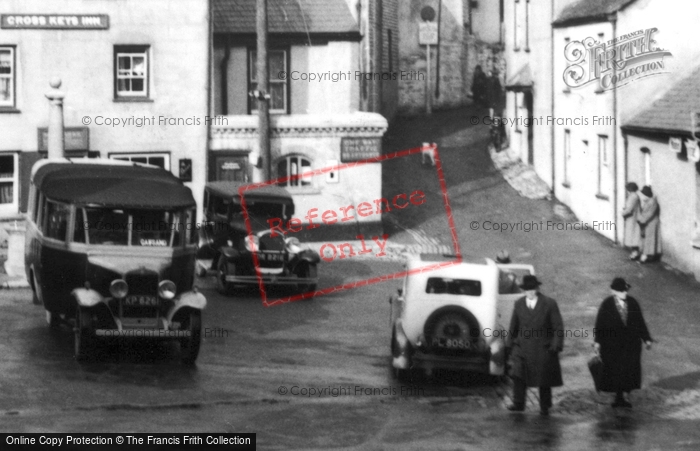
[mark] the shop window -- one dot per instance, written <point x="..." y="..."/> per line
<point x="131" y="72"/>
<point x="160" y="159"/>
<point x="7" y="77"/>
<point x="567" y="157"/>
<point x="277" y="60"/>
<point x="291" y="166"/>
<point x="8" y="182"/>
<point x="603" y="167"/>
<point x="646" y="156"/>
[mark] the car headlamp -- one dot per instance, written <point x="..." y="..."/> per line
<point x="293" y="245"/>
<point x="252" y="247"/>
<point x="118" y="288"/>
<point x="167" y="289"/>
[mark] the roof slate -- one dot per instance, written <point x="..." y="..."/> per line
<point x="589" y="11"/>
<point x="671" y="112"/>
<point x="285" y="16"/>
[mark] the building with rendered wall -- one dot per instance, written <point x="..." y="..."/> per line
<point x="134" y="74"/>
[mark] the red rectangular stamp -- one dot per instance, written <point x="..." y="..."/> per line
<point x="343" y="223"/>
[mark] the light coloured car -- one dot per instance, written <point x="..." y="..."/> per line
<point x="454" y="317"/>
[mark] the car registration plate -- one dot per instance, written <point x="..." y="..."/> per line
<point x="272" y="257"/>
<point x="147" y="301"/>
<point x="451" y="343"/>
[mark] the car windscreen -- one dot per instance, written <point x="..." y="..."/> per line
<point x="442" y="285"/>
<point x="123" y="227"/>
<point x="263" y="210"/>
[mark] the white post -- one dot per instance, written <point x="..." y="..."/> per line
<point x="428" y="99"/>
<point x="55" y="144"/>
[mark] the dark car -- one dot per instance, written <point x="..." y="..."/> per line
<point x="227" y="247"/>
<point x="110" y="250"/>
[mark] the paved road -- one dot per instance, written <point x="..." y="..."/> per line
<point x="338" y="344"/>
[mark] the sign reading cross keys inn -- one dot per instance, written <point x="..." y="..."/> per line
<point x="55" y="21"/>
<point x="356" y="149"/>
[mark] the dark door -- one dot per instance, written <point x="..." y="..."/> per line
<point x="528" y="106"/>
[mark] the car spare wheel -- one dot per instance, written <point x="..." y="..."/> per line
<point x="452" y="329"/>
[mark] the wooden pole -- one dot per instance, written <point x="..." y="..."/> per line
<point x="428" y="93"/>
<point x="263" y="77"/>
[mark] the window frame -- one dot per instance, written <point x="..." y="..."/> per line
<point x="252" y="74"/>
<point x="12" y="103"/>
<point x="516" y="35"/>
<point x="300" y="186"/>
<point x="121" y="157"/>
<point x="132" y="50"/>
<point x="11" y="207"/>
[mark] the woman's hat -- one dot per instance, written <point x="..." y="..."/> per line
<point x="503" y="257"/>
<point x="619" y="284"/>
<point x="530" y="283"/>
<point x="647" y="191"/>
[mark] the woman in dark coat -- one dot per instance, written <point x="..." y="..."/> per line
<point x="535" y="339"/>
<point x="479" y="87"/>
<point x="619" y="332"/>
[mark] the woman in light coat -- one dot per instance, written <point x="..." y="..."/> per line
<point x="649" y="224"/>
<point x="630" y="214"/>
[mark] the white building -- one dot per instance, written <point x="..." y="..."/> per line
<point x="134" y="74"/>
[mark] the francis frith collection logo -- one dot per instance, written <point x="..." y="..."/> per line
<point x="616" y="62"/>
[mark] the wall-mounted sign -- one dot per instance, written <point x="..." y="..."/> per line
<point x="74" y="138"/>
<point x="186" y="169"/>
<point x="693" y="150"/>
<point x="55" y="21"/>
<point x="675" y="144"/>
<point x="356" y="149"/>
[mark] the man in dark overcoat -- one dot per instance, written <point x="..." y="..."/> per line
<point x="535" y="339"/>
<point x="619" y="332"/>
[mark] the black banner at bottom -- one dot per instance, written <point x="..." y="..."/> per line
<point x="144" y="441"/>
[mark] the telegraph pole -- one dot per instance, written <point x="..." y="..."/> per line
<point x="263" y="97"/>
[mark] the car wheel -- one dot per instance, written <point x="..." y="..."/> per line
<point x="84" y="339"/>
<point x="307" y="271"/>
<point x="189" y="346"/>
<point x="199" y="269"/>
<point x="224" y="268"/>
<point x="36" y="297"/>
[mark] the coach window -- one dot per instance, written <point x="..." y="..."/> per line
<point x="7" y="77"/>
<point x="279" y="86"/>
<point x="291" y="166"/>
<point x="80" y="226"/>
<point x="131" y="72"/>
<point x="56" y="221"/>
<point x="160" y="159"/>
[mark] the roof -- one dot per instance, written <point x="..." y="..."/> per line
<point x="267" y="192"/>
<point x="670" y="113"/>
<point x="522" y="79"/>
<point x="111" y="185"/>
<point x="587" y="11"/>
<point x="285" y="16"/>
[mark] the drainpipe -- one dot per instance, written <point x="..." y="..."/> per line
<point x="551" y="128"/>
<point x="224" y="76"/>
<point x="613" y="19"/>
<point x="55" y="144"/>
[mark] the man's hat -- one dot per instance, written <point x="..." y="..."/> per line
<point x="530" y="283"/>
<point x="619" y="284"/>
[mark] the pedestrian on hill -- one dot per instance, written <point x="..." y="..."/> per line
<point x="630" y="214"/>
<point x="649" y="224"/>
<point x="496" y="98"/>
<point x="535" y="339"/>
<point x="619" y="332"/>
<point x="479" y="87"/>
